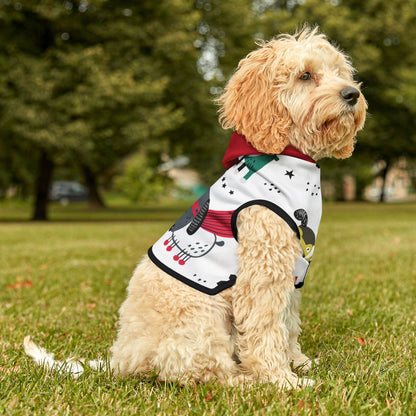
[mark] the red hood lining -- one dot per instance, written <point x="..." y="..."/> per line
<point x="239" y="146"/>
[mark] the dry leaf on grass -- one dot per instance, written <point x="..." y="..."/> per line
<point x="360" y="340"/>
<point x="209" y="396"/>
<point x="20" y="284"/>
<point x="91" y="305"/>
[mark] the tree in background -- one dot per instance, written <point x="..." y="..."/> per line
<point x="84" y="84"/>
<point x="89" y="84"/>
<point x="223" y="36"/>
<point x="140" y="180"/>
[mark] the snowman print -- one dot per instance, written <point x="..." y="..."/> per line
<point x="184" y="248"/>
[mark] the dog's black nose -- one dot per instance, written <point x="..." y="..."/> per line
<point x="350" y="95"/>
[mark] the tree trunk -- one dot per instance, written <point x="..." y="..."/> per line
<point x="383" y="185"/>
<point x="42" y="185"/>
<point x="95" y="199"/>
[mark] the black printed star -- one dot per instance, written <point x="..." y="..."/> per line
<point x="290" y="174"/>
<point x="231" y="192"/>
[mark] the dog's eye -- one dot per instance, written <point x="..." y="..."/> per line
<point x="306" y="76"/>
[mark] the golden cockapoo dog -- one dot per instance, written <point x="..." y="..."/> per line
<point x="294" y="92"/>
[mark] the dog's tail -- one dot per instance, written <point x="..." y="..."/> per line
<point x="71" y="366"/>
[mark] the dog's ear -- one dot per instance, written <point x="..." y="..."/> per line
<point x="251" y="104"/>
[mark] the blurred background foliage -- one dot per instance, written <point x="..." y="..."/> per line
<point x="103" y="91"/>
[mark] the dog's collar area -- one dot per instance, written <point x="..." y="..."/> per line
<point x="239" y="146"/>
<point x="292" y="151"/>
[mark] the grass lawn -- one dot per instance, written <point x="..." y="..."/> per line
<point x="62" y="282"/>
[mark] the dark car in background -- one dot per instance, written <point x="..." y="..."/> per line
<point x="68" y="191"/>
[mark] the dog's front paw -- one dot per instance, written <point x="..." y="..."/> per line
<point x="297" y="383"/>
<point x="306" y="382"/>
<point x="303" y="364"/>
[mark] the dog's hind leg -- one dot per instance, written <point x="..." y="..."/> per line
<point x="141" y="324"/>
<point x="199" y="348"/>
<point x="171" y="328"/>
<point x="261" y="296"/>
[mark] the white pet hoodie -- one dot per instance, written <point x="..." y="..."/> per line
<point x="200" y="248"/>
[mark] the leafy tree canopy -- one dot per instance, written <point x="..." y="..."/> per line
<point x="89" y="83"/>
